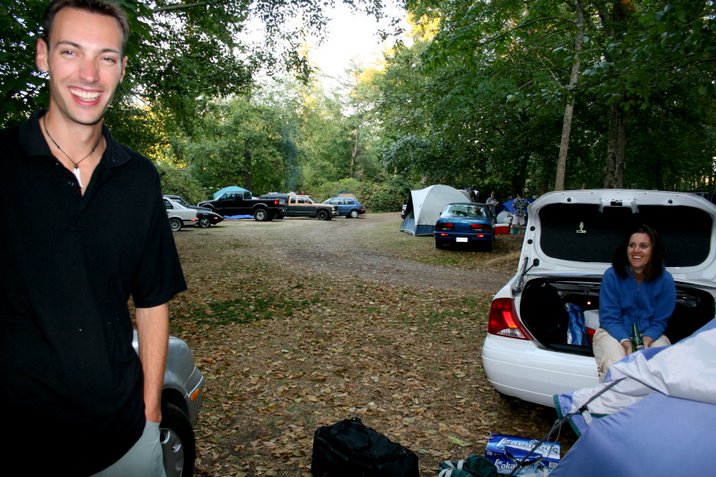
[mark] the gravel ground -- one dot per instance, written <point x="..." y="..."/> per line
<point x="299" y="323"/>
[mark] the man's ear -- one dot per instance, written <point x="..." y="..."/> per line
<point x="42" y="54"/>
<point x="124" y="68"/>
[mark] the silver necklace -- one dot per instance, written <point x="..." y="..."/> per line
<point x="76" y="170"/>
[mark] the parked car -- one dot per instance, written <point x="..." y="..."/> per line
<point x="205" y="217"/>
<point x="348" y="207"/>
<point x="179" y="216"/>
<point x="464" y="223"/>
<point x="301" y="205"/>
<point x="182" y="397"/>
<point x="569" y="242"/>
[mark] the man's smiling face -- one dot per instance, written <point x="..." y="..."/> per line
<point x="85" y="61"/>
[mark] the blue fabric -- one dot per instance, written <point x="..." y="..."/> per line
<point x="658" y="418"/>
<point x="224" y="190"/>
<point x="577" y="332"/>
<point x="623" y="302"/>
<point x="659" y="436"/>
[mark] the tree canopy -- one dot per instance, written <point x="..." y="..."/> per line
<point x="503" y="95"/>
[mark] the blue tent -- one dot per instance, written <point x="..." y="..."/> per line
<point x="654" y="415"/>
<point x="221" y="192"/>
<point x="507" y="205"/>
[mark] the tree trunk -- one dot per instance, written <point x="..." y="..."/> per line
<point x="616" y="145"/>
<point x="248" y="166"/>
<point x="571" y="94"/>
<point x="354" y="151"/>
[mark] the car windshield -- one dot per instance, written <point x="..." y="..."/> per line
<point x="181" y="201"/>
<point x="464" y="210"/>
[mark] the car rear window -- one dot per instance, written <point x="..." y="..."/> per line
<point x="583" y="232"/>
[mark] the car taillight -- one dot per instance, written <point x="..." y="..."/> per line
<point x="503" y="320"/>
<point x="479" y="227"/>
<point x="445" y="226"/>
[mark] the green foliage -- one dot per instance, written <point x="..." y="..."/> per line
<point x="180" y="182"/>
<point x="481" y="102"/>
<point x="238" y="143"/>
<point x="179" y="53"/>
<point x="20" y="84"/>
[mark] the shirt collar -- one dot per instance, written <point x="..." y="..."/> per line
<point x="33" y="142"/>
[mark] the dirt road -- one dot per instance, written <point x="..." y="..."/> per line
<point x="353" y="248"/>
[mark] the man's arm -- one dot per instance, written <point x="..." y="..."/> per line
<point x="153" y="334"/>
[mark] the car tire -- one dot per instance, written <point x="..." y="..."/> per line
<point x="261" y="215"/>
<point x="353" y="214"/>
<point x="323" y="215"/>
<point x="439" y="244"/>
<point x="178" y="444"/>
<point x="175" y="224"/>
<point x="205" y="222"/>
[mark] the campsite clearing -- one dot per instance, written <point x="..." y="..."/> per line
<point x="353" y="319"/>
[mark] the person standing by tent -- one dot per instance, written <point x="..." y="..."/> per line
<point x="85" y="230"/>
<point x="492" y="202"/>
<point x="520" y="217"/>
<point x="636" y="289"/>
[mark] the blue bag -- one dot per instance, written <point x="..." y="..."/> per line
<point x="576" y="330"/>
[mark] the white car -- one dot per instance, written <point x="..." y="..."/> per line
<point x="569" y="242"/>
<point x="178" y="214"/>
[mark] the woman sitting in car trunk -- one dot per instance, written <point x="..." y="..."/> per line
<point x="636" y="289"/>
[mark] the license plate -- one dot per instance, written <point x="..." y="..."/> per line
<point x="461" y="239"/>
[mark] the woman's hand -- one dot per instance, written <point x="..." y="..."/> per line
<point x="648" y="341"/>
<point x="627" y="347"/>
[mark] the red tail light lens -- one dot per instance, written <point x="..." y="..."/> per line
<point x="503" y="320"/>
<point x="445" y="226"/>
<point x="480" y="227"/>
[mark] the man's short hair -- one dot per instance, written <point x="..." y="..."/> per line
<point x="101" y="7"/>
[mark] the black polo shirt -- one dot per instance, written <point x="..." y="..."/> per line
<point x="70" y="380"/>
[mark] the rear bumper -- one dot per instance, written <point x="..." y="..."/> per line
<point x="457" y="237"/>
<point x="519" y="368"/>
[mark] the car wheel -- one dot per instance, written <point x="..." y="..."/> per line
<point x="322" y="215"/>
<point x="354" y="214"/>
<point x="178" y="445"/>
<point x="205" y="222"/>
<point x="261" y="215"/>
<point x="438" y="244"/>
<point x="175" y="224"/>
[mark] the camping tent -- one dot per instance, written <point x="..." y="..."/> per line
<point x="658" y="418"/>
<point x="425" y="205"/>
<point x="221" y="192"/>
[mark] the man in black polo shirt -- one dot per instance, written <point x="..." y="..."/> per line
<point x="83" y="229"/>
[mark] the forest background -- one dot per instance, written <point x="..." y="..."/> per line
<point x="504" y="95"/>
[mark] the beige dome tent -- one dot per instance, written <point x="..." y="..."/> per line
<point x="425" y="205"/>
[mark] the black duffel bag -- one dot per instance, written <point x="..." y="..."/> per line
<point x="349" y="448"/>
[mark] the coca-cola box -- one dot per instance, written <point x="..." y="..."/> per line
<point x="534" y="458"/>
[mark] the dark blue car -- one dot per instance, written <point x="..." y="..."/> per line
<point x="465" y="223"/>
